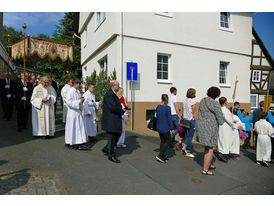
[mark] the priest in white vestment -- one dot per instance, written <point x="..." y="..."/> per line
<point x="89" y="112"/>
<point x="225" y="130"/>
<point x="264" y="130"/>
<point x="42" y="100"/>
<point x="64" y="92"/>
<point x="75" y="133"/>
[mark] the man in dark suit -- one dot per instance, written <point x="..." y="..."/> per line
<point x="22" y="112"/>
<point x="7" y="93"/>
<point x="112" y="119"/>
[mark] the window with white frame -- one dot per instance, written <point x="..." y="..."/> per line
<point x="103" y="64"/>
<point x="223" y="73"/>
<point x="85" y="36"/>
<point x="253" y="100"/>
<point x="256" y="76"/>
<point x="100" y="17"/>
<point x="225" y="20"/>
<point x="162" y="67"/>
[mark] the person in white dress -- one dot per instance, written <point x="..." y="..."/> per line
<point x="89" y="112"/>
<point x="264" y="130"/>
<point x="42" y="100"/>
<point x="75" y="132"/>
<point x="121" y="141"/>
<point x="225" y="131"/>
<point x="238" y="125"/>
<point x="64" y="92"/>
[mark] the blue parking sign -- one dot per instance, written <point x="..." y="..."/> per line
<point x="132" y="71"/>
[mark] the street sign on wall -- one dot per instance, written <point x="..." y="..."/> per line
<point x="132" y="71"/>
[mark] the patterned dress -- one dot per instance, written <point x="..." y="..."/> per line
<point x="207" y="124"/>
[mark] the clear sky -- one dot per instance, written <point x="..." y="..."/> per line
<point x="44" y="22"/>
<point x="264" y="25"/>
<point x="37" y="22"/>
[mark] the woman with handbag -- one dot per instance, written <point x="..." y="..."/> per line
<point x="164" y="127"/>
<point x="189" y="116"/>
<point x="209" y="118"/>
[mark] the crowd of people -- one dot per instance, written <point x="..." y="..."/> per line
<point x="40" y="93"/>
<point x="216" y="126"/>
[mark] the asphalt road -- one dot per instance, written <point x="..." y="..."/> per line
<point x="90" y="172"/>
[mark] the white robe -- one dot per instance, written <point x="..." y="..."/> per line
<point x="37" y="106"/>
<point x="90" y="107"/>
<point x="123" y="134"/>
<point x="64" y="92"/>
<point x="264" y="130"/>
<point x="235" y="146"/>
<point x="225" y="132"/>
<point x="75" y="132"/>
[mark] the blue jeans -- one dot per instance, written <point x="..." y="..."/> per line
<point x="175" y="120"/>
<point x="189" y="135"/>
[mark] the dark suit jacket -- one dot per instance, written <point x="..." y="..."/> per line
<point x="19" y="92"/>
<point x="112" y="113"/>
<point x="4" y="91"/>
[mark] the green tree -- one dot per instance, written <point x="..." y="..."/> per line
<point x="16" y="36"/>
<point x="101" y="82"/>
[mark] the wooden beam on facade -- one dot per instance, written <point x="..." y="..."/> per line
<point x="257" y="67"/>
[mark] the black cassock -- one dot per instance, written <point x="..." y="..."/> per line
<point x="22" y="112"/>
<point x="7" y="103"/>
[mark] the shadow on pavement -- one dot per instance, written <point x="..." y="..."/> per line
<point x="248" y="154"/>
<point x="3" y="162"/>
<point x="132" y="144"/>
<point x="13" y="180"/>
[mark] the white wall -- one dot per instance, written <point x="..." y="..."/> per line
<point x="193" y="28"/>
<point x="190" y="67"/>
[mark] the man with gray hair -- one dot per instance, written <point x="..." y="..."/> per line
<point x="6" y="95"/>
<point x="42" y="100"/>
<point x="112" y="119"/>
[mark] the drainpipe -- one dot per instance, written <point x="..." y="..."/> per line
<point x="121" y="49"/>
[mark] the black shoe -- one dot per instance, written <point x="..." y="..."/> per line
<point x="114" y="159"/>
<point x="220" y="157"/>
<point x="265" y="164"/>
<point x="68" y="146"/>
<point x="105" y="151"/>
<point x="19" y="130"/>
<point x="160" y="159"/>
<point x="83" y="147"/>
<point x="25" y="127"/>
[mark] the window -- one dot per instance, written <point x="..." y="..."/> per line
<point x="256" y="76"/>
<point x="254" y="100"/>
<point x="85" y="36"/>
<point x="223" y="74"/>
<point x="103" y="64"/>
<point x="100" y="17"/>
<point x="225" y="20"/>
<point x="162" y="67"/>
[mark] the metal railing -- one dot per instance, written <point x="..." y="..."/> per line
<point x="4" y="55"/>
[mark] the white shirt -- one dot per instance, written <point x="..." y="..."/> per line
<point x="187" y="108"/>
<point x="171" y="100"/>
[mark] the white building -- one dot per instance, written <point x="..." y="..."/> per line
<point x="183" y="50"/>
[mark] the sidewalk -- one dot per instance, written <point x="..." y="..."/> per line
<point x="31" y="165"/>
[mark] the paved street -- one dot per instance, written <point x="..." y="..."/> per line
<point x="31" y="165"/>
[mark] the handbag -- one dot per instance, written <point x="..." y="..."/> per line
<point x="152" y="125"/>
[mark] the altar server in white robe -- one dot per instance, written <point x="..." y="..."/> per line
<point x="64" y="92"/>
<point x="238" y="125"/>
<point x="89" y="113"/>
<point x="75" y="132"/>
<point x="42" y="100"/>
<point x="225" y="130"/>
<point x="264" y="130"/>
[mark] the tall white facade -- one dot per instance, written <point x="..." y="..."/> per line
<point x="183" y="50"/>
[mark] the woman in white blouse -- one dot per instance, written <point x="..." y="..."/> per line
<point x="189" y="114"/>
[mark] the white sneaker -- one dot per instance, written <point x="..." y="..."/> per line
<point x="190" y="155"/>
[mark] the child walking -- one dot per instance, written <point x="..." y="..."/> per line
<point x="264" y="130"/>
<point x="247" y="120"/>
